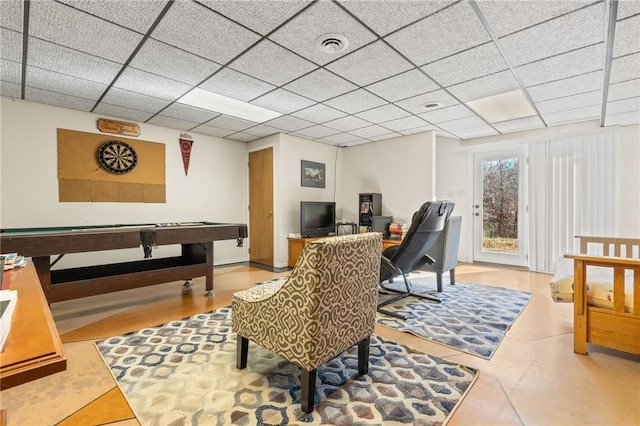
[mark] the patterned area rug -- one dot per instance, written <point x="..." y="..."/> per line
<point x="472" y="318"/>
<point x="184" y="373"/>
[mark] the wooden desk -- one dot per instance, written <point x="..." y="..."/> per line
<point x="33" y="348"/>
<point x="296" y="245"/>
<point x="196" y="259"/>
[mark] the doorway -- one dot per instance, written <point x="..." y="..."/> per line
<point x="499" y="207"/>
<point x="261" y="206"/>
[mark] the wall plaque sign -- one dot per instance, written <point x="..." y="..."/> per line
<point x="118" y="127"/>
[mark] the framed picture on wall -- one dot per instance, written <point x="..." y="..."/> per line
<point x="312" y="174"/>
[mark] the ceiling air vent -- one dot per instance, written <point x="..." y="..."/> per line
<point x="432" y="105"/>
<point x="332" y="43"/>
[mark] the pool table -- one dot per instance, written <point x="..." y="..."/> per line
<point x="196" y="259"/>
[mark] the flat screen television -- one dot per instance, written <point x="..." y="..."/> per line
<point x="317" y="218"/>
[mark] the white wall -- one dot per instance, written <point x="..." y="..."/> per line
<point x="215" y="189"/>
<point x="401" y="169"/>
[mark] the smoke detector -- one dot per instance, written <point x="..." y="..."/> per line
<point x="332" y="43"/>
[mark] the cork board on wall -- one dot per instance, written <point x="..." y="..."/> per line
<point x="81" y="178"/>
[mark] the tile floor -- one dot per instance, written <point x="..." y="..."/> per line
<point x="533" y="379"/>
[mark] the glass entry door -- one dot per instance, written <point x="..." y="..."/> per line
<point x="499" y="207"/>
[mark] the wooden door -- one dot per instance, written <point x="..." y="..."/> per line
<point x="261" y="206"/>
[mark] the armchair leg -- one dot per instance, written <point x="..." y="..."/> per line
<point x="363" y="355"/>
<point x="241" y="352"/>
<point x="439" y="281"/>
<point x="452" y="276"/>
<point x="308" y="381"/>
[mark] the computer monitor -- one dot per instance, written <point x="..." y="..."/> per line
<point x="381" y="224"/>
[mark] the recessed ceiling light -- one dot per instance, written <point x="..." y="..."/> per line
<point x="503" y="107"/>
<point x="217" y="103"/>
<point x="432" y="105"/>
<point x="332" y="43"/>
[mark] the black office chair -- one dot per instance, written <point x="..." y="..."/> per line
<point x="426" y="225"/>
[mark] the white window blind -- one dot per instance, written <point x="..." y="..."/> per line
<point x="574" y="192"/>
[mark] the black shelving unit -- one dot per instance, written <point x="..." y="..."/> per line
<point x="370" y="204"/>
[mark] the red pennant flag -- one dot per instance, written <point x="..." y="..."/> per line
<point x="185" y="149"/>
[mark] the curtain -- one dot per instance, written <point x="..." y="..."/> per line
<point x="574" y="192"/>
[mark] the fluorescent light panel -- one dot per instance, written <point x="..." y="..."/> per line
<point x="503" y="107"/>
<point x="213" y="102"/>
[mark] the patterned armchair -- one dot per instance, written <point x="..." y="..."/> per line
<point x="326" y="306"/>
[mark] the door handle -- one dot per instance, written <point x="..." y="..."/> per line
<point x="270" y="214"/>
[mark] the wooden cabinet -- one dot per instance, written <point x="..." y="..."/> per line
<point x="33" y="348"/>
<point x="296" y="245"/>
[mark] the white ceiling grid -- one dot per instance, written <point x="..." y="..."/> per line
<point x="133" y="59"/>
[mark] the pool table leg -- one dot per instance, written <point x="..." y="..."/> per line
<point x="209" y="283"/>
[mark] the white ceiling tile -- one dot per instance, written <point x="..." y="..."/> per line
<point x="33" y="94"/>
<point x="324" y="17"/>
<point x="172" y="123"/>
<point x="220" y="40"/>
<point x="476" y="132"/>
<point x="186" y="112"/>
<point x="236" y="85"/>
<point x="63" y="60"/>
<point x="420" y="129"/>
<point x="206" y="129"/>
<point x="416" y="104"/>
<point x="316" y="132"/>
<point x="341" y="138"/>
<point x="261" y="16"/>
<point x="319" y="113"/>
<point x="626" y="89"/>
<point x="146" y="83"/>
<point x="624" y="119"/>
<point x="385" y="136"/>
<point x="462" y="123"/>
<point x="347" y="123"/>
<point x="81" y="31"/>
<point x="370" y="131"/>
<point x="447" y="114"/>
<point x="458" y="25"/>
<point x="289" y="123"/>
<point x="573" y="115"/>
<point x="628" y="8"/>
<point x="11" y="45"/>
<point x="125" y="113"/>
<point x="519" y="124"/>
<point x="570" y="102"/>
<point x="625" y="68"/>
<point x="125" y="98"/>
<point x="370" y="64"/>
<point x="64" y="84"/>
<point x="231" y="123"/>
<point x="262" y="130"/>
<point x="137" y="15"/>
<point x="562" y="66"/>
<point x="320" y="85"/>
<point x="566" y="87"/>
<point x="10" y="72"/>
<point x="467" y="65"/>
<point x="11" y="15"/>
<point x="406" y="123"/>
<point x="384" y="17"/>
<point x="483" y="87"/>
<point x="160" y="58"/>
<point x="623" y="105"/>
<point x="568" y="32"/>
<point x="271" y="63"/>
<point x="354" y="102"/>
<point x="382" y="114"/>
<point x="403" y="86"/>
<point x="506" y="17"/>
<point x="283" y="101"/>
<point x="443" y="134"/>
<point x="627" y="38"/>
<point x="242" y="137"/>
<point x="10" y="90"/>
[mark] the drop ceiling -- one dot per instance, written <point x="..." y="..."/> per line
<point x="133" y="59"/>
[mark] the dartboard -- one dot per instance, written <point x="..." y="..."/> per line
<point x="117" y="157"/>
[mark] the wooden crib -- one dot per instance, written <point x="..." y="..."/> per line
<point x="618" y="327"/>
